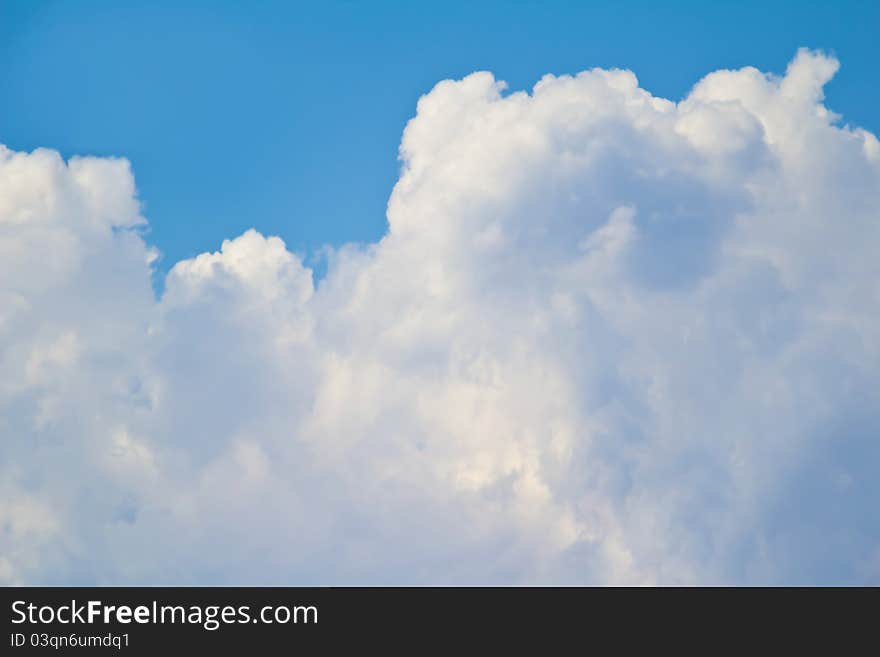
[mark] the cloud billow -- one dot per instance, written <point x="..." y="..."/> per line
<point x="607" y="338"/>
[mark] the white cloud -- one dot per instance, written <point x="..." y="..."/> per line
<point x="607" y="338"/>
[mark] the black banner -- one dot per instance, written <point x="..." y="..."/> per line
<point x="550" y="620"/>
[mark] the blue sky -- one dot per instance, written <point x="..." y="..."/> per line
<point x="287" y="116"/>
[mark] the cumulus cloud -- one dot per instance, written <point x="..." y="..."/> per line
<point x="607" y="338"/>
